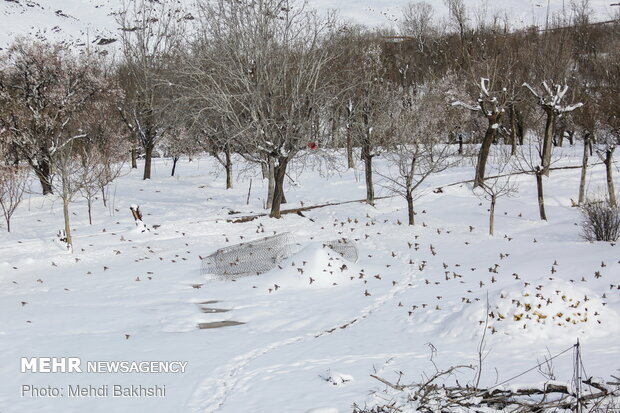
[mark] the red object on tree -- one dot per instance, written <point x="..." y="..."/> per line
<point x="312" y="145"/>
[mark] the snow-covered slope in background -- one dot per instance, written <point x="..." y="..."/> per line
<point x="79" y="22"/>
<point x="86" y="22"/>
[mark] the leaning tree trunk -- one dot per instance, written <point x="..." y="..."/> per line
<point x="175" y="159"/>
<point x="541" y="197"/>
<point x="148" y="156"/>
<point x="492" y="214"/>
<point x="609" y="159"/>
<point x="483" y="155"/>
<point x="278" y="193"/>
<point x="370" y="190"/>
<point x="548" y="142"/>
<point x="584" y="170"/>
<point x="229" y="169"/>
<point x="89" y="202"/>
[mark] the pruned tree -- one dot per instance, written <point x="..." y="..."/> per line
<point x="550" y="101"/>
<point x="492" y="105"/>
<point x="13" y="184"/>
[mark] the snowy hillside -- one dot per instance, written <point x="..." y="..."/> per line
<point x="307" y="335"/>
<point x="91" y="22"/>
<point x="79" y="22"/>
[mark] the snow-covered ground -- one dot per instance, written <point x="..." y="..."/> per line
<point x="130" y="296"/>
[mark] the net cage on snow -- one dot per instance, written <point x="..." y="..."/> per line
<point x="264" y="254"/>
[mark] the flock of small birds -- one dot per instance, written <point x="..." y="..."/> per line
<point x="431" y="262"/>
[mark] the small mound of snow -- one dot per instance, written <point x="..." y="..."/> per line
<point x="556" y="310"/>
<point x="314" y="266"/>
<point x="323" y="410"/>
<point x="337" y="379"/>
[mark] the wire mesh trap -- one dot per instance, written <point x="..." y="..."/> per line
<point x="261" y="255"/>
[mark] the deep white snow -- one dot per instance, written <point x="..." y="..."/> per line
<point x="127" y="295"/>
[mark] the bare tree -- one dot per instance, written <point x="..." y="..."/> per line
<point x="55" y="99"/>
<point x="418" y="22"/>
<point x="260" y="66"/>
<point x="179" y="141"/>
<point x="529" y="161"/>
<point x="43" y="90"/>
<point x="417" y="150"/>
<point x="13" y="183"/>
<point x="500" y="183"/>
<point x="151" y="35"/>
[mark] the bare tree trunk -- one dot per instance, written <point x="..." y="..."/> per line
<point x="410" y="210"/>
<point x="148" y="156"/>
<point x="264" y="167"/>
<point x="492" y="215"/>
<point x="584" y="170"/>
<point x="541" y="198"/>
<point x="229" y="169"/>
<point x="335" y="128"/>
<point x="513" y="132"/>
<point x="609" y="159"/>
<point x="560" y="137"/>
<point x="42" y="170"/>
<point x="483" y="155"/>
<point x="103" y="196"/>
<point x="278" y="193"/>
<point x="271" y="184"/>
<point x="350" y="161"/>
<point x="134" y="158"/>
<point x="460" y="144"/>
<point x="175" y="159"/>
<point x="8" y="224"/>
<point x="370" y="190"/>
<point x="65" y="210"/>
<point x="548" y="142"/>
<point x="89" y="202"/>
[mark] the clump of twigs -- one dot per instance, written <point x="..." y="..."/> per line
<point x="601" y="221"/>
<point x="441" y="392"/>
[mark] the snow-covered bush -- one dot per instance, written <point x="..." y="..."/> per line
<point x="601" y="221"/>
